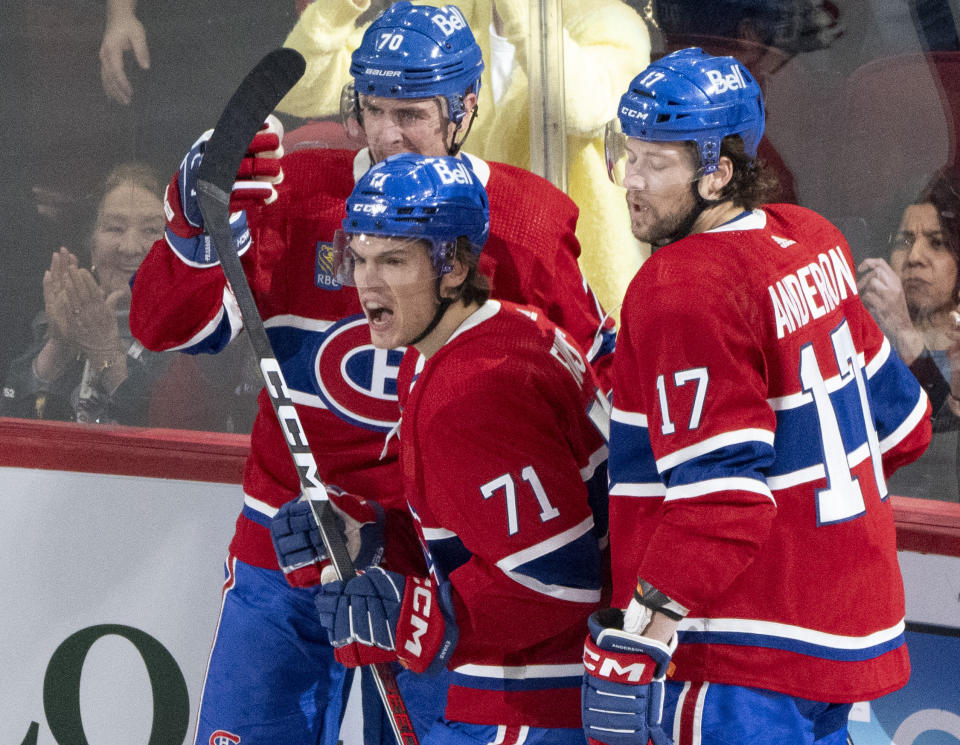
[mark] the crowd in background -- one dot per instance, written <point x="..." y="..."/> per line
<point x="112" y="93"/>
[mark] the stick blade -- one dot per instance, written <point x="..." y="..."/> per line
<point x="253" y="101"/>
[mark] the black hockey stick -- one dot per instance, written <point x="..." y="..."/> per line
<point x="257" y="96"/>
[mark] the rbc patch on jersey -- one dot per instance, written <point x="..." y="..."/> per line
<point x="325" y="273"/>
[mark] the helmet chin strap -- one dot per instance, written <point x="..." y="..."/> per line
<point x="454" y="147"/>
<point x="442" y="305"/>
<point x="700" y="204"/>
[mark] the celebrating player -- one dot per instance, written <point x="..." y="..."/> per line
<point x="757" y="411"/>
<point x="271" y="675"/>
<point x="499" y="456"/>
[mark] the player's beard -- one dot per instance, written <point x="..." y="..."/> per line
<point x="663" y="218"/>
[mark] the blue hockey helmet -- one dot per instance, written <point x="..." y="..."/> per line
<point x="688" y="95"/>
<point x="419" y="51"/>
<point x="435" y="199"/>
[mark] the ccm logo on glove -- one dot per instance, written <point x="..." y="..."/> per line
<point x="422" y="602"/>
<point x="619" y="668"/>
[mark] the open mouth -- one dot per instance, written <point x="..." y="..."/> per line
<point x="378" y="315"/>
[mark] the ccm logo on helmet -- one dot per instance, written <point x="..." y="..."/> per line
<point x="732" y="81"/>
<point x="611" y="669"/>
<point x="420" y="618"/>
<point x="370" y="209"/>
<point x="633" y="113"/>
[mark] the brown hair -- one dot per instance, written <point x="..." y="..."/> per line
<point x="943" y="192"/>
<point x="139" y="174"/>
<point x="475" y="287"/>
<point x="753" y="183"/>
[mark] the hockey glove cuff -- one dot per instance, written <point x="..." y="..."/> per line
<point x="623" y="684"/>
<point x="382" y="616"/>
<point x="259" y="172"/>
<point x="300" y="550"/>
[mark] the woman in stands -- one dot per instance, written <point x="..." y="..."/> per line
<point x="914" y="299"/>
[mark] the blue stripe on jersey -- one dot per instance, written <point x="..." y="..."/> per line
<point x="607" y="339"/>
<point x="893" y="393"/>
<point x="599" y="501"/>
<point x="631" y="459"/>
<point x="797" y="442"/>
<point x="747" y="459"/>
<point x="448" y="554"/>
<point x="213" y="342"/>
<point x="485" y="683"/>
<point x="575" y="564"/>
<point x="256" y="516"/>
<point x="295" y="350"/>
<point x="811" y="649"/>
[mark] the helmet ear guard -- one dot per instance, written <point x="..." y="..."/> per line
<point x="689" y="95"/>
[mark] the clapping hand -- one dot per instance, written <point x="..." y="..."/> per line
<point x="80" y="315"/>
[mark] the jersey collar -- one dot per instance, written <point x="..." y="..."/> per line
<point x="753" y="220"/>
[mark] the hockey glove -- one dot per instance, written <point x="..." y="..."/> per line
<point x="622" y="696"/>
<point x="382" y="616"/>
<point x="300" y="551"/>
<point x="259" y="172"/>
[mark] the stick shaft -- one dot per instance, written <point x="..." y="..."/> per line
<point x="254" y="99"/>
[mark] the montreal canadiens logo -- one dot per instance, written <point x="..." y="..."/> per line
<point x="221" y="737"/>
<point x="357" y="381"/>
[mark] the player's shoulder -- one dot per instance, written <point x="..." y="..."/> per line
<point x="309" y="169"/>
<point x="512" y="185"/>
<point x="499" y="344"/>
<point x="700" y="267"/>
<point x="798" y="218"/>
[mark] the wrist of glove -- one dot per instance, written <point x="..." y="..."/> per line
<point x="382" y="616"/>
<point x="259" y="173"/>
<point x="300" y="550"/>
<point x="623" y="683"/>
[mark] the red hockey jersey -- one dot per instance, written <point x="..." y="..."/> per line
<point x="500" y="457"/>
<point x="344" y="389"/>
<point x="757" y="409"/>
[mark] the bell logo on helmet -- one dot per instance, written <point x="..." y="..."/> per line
<point x="732" y="81"/>
<point x="456" y="175"/>
<point x="449" y="20"/>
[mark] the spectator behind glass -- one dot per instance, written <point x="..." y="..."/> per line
<point x="83" y="364"/>
<point x="914" y="298"/>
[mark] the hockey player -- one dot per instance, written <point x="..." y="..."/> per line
<point x="499" y="454"/>
<point x="271" y="675"/>
<point x="757" y="411"/>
